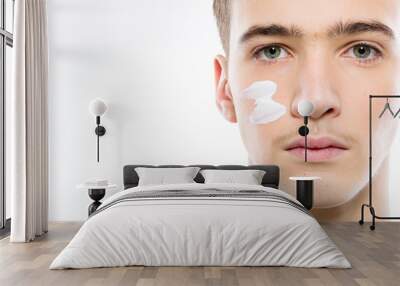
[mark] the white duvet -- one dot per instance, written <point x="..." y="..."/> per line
<point x="200" y="231"/>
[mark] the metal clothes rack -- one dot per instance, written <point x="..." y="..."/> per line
<point x="370" y="205"/>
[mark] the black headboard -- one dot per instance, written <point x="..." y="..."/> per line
<point x="270" y="179"/>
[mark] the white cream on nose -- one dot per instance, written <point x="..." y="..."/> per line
<point x="266" y="110"/>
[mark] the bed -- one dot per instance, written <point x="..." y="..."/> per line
<point x="201" y="224"/>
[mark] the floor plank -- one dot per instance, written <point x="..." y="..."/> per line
<point x="375" y="257"/>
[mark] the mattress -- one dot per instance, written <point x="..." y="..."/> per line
<point x="201" y="225"/>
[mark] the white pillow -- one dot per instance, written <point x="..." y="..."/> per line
<point x="248" y="177"/>
<point x="162" y="176"/>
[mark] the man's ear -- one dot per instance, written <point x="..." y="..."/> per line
<point x="223" y="93"/>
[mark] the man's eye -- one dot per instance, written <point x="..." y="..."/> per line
<point x="363" y="52"/>
<point x="271" y="53"/>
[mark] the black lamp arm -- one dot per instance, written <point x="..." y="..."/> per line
<point x="303" y="131"/>
<point x="100" y="131"/>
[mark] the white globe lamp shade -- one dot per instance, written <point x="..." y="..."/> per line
<point x="305" y="108"/>
<point x="97" y="107"/>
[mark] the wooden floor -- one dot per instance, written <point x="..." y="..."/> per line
<point x="375" y="257"/>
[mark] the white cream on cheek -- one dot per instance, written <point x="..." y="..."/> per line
<point x="266" y="109"/>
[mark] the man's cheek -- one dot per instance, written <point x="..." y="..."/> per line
<point x="260" y="141"/>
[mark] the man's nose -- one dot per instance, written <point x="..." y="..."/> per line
<point x="316" y="83"/>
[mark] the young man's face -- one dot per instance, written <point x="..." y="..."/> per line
<point x="332" y="53"/>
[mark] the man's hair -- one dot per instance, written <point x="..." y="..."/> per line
<point x="222" y="13"/>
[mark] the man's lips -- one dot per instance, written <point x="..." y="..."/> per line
<point x="318" y="149"/>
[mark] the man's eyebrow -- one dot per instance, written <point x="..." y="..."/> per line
<point x="351" y="28"/>
<point x="271" y="30"/>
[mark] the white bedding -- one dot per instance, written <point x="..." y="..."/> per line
<point x="200" y="231"/>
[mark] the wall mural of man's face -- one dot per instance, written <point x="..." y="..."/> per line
<point x="332" y="53"/>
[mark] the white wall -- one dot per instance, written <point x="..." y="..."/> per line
<point x="152" y="62"/>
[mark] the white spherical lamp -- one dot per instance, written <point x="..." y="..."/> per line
<point x="97" y="107"/>
<point x="305" y="108"/>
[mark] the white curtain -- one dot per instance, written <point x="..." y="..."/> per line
<point x="28" y="158"/>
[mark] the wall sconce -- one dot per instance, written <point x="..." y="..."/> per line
<point x="97" y="107"/>
<point x="305" y="109"/>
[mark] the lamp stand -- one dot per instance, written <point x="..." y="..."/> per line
<point x="303" y="131"/>
<point x="305" y="138"/>
<point x="100" y="131"/>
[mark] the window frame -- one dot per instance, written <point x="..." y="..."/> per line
<point x="6" y="39"/>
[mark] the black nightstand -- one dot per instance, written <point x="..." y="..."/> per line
<point x="96" y="193"/>
<point x="305" y="190"/>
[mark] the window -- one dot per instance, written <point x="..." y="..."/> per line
<point x="6" y="44"/>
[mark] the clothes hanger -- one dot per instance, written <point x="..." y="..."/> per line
<point x="387" y="106"/>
